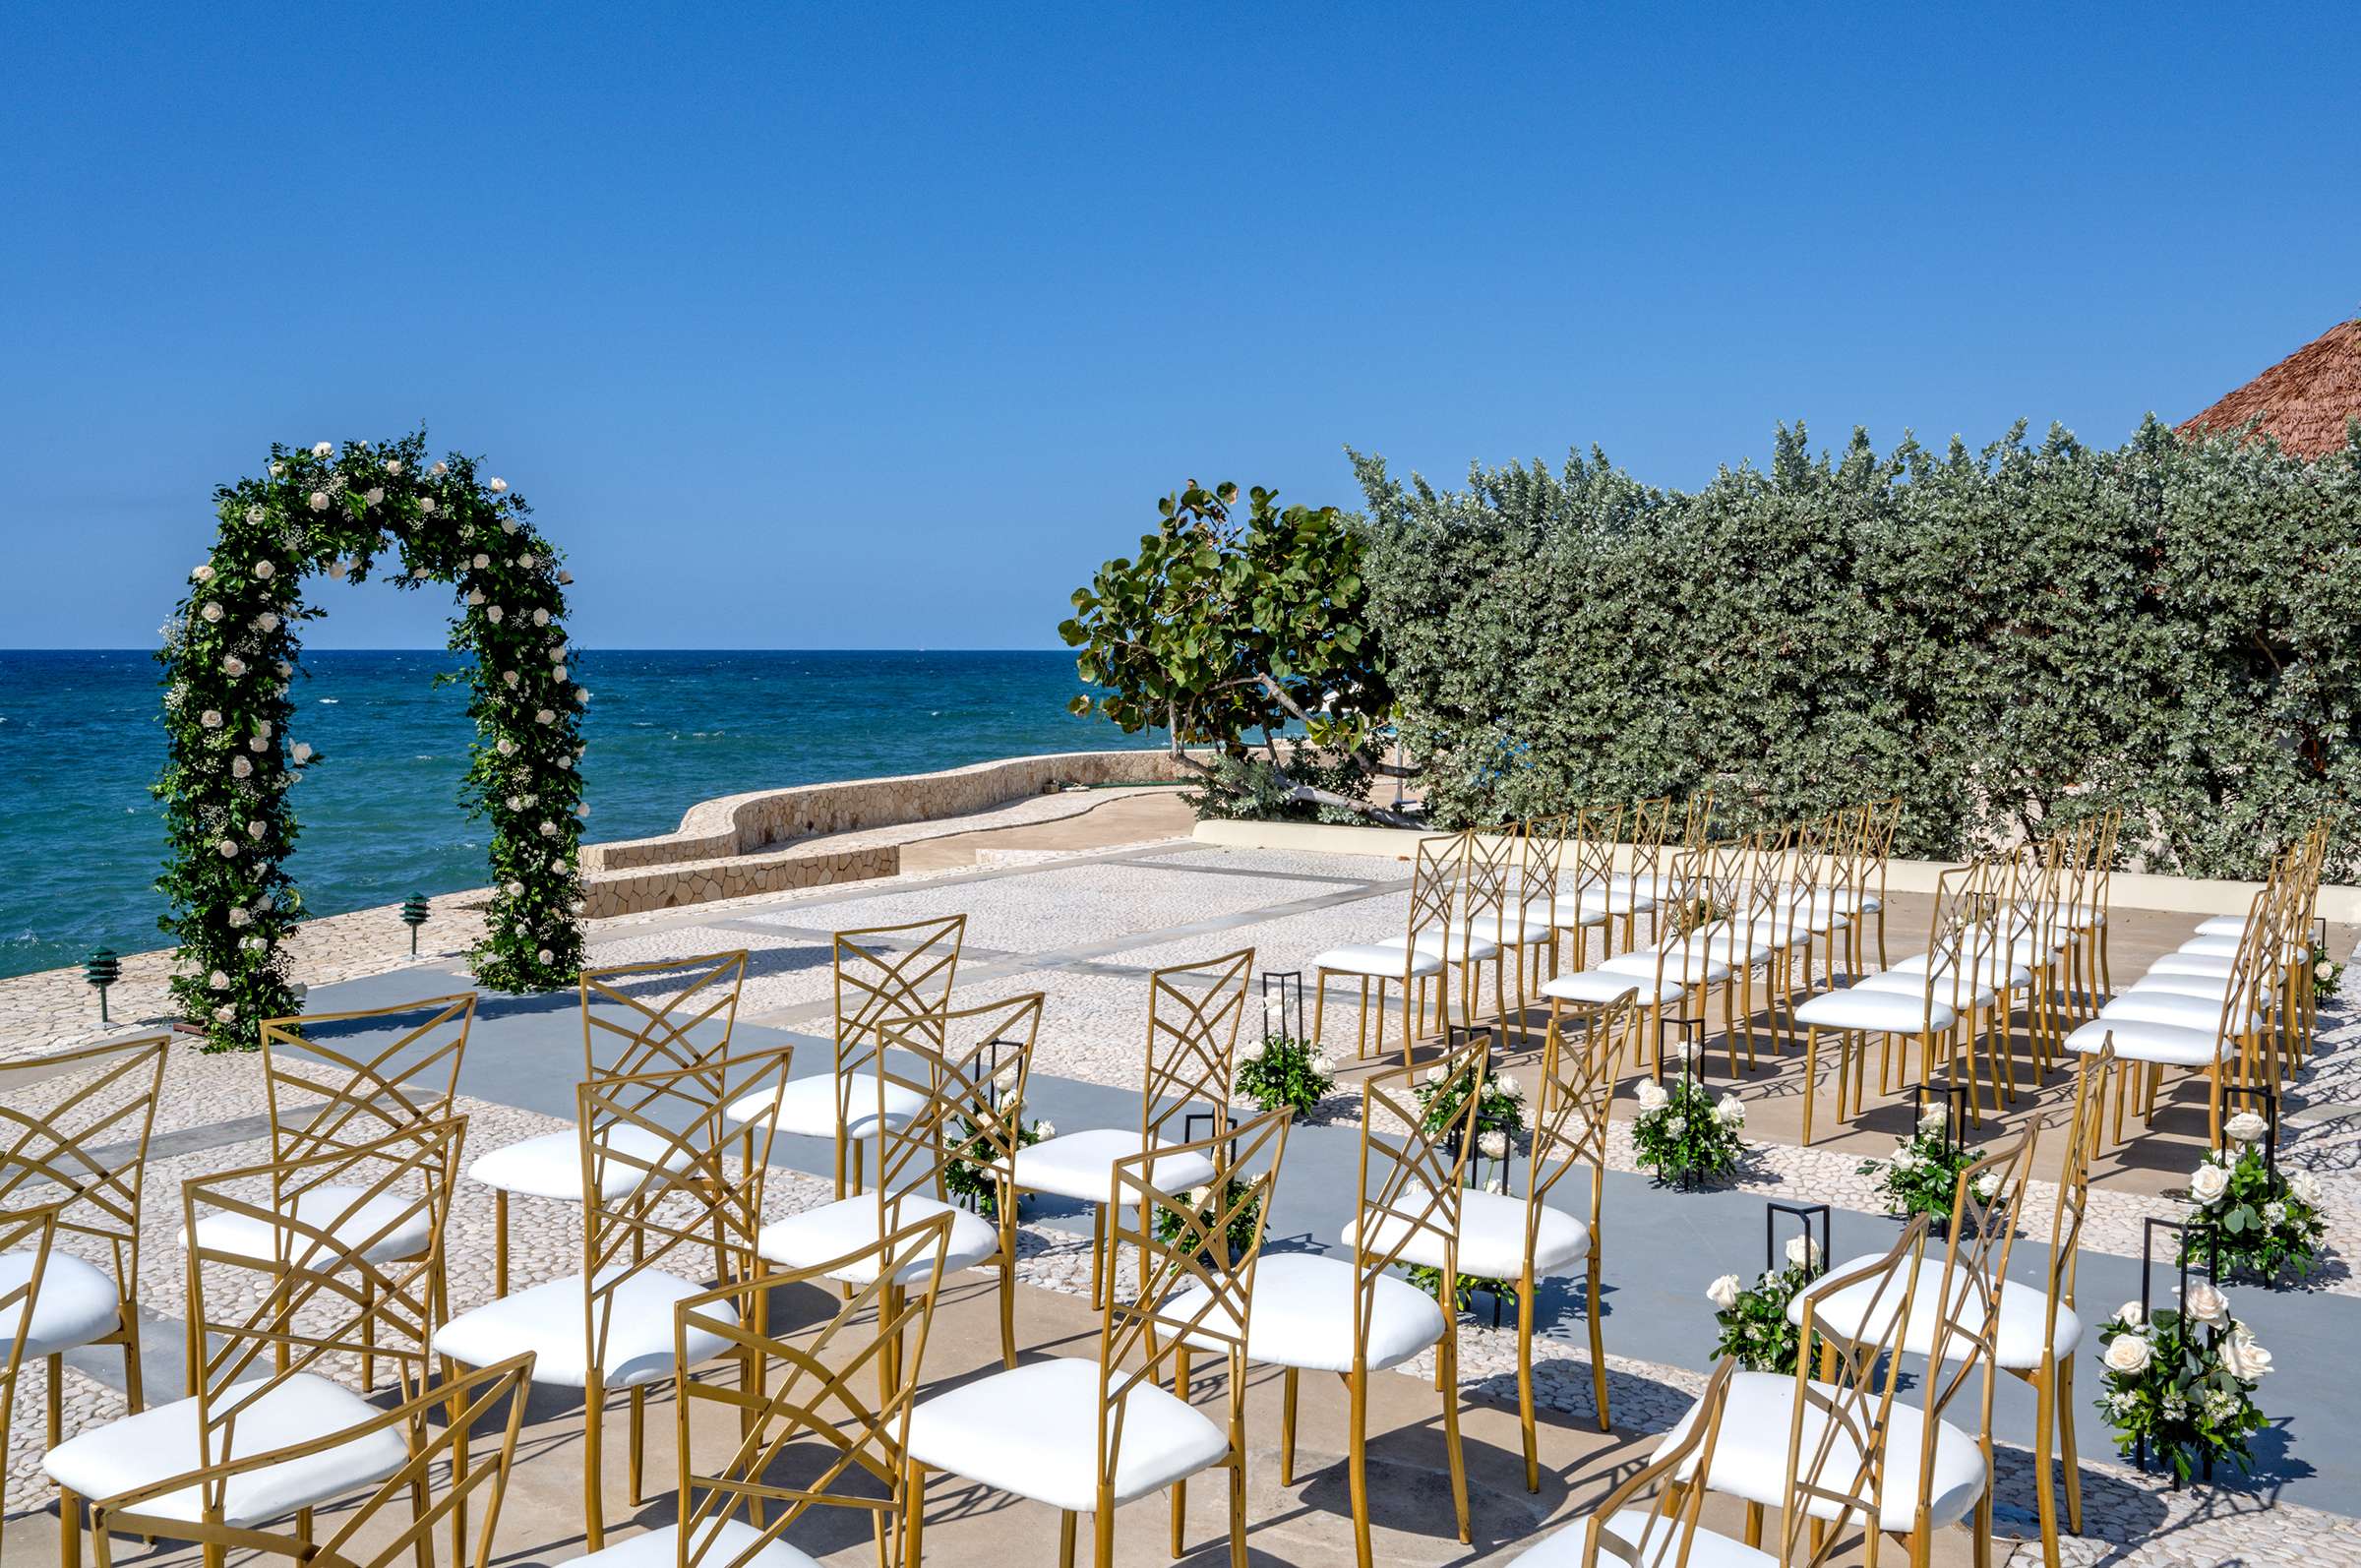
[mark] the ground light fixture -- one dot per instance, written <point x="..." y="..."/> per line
<point x="413" y="915"/>
<point x="103" y="969"/>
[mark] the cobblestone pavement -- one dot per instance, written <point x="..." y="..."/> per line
<point x="1086" y="927"/>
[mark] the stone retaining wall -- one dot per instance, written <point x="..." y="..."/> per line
<point x="746" y="824"/>
<point x="639" y="891"/>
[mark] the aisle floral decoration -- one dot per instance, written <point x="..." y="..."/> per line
<point x="1501" y="1110"/>
<point x="2253" y="1220"/>
<point x="1284" y="1071"/>
<point x="1922" y="1175"/>
<point x="2183" y="1381"/>
<point x="230" y="652"/>
<point x="1684" y="1132"/>
<point x="1243" y="1224"/>
<point x="2327" y="975"/>
<point x="1753" y="1318"/>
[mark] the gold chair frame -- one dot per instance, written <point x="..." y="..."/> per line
<point x="659" y="1040"/>
<point x="85" y="1156"/>
<point x="877" y="980"/>
<point x="966" y="1083"/>
<point x="33" y="1230"/>
<point x="1434" y="874"/>
<point x="789" y="1393"/>
<point x="434" y="1449"/>
<point x="2053" y="1380"/>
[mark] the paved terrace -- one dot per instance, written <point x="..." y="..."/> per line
<point x="1086" y="925"/>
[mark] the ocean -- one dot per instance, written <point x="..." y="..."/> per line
<point x="81" y="840"/>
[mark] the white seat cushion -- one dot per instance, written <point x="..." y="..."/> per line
<point x="1081" y="1165"/>
<point x="1881" y="1011"/>
<point x="808" y="1106"/>
<point x="2193" y="964"/>
<point x="1491" y="1237"/>
<point x="548" y="1321"/>
<point x="2161" y="1006"/>
<point x="2138" y="1040"/>
<point x="78" y="1304"/>
<point x="551" y="1165"/>
<point x="2232" y="926"/>
<point x="725" y="1547"/>
<point x="1696" y="964"/>
<point x="1985" y="964"/>
<point x="2213" y="988"/>
<point x="1461" y="946"/>
<point x="824" y="1235"/>
<point x="402" y="1217"/>
<point x="1367" y="958"/>
<point x="1659" y="885"/>
<point x="1564" y="910"/>
<point x="1621" y="1542"/>
<point x="1034" y="1431"/>
<point x="2210" y="947"/>
<point x="1947" y="992"/>
<point x="2024" y="1314"/>
<point x="1504" y="929"/>
<point x="1750" y="1455"/>
<point x="1607" y="984"/>
<point x="1303" y="1314"/>
<point x="163" y="1441"/>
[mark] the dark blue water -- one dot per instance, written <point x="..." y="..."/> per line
<point x="81" y="840"/>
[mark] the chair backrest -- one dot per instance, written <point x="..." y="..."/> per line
<point x="1710" y="901"/>
<point x="1412" y="1188"/>
<point x="1575" y="1101"/>
<point x="1541" y="858"/>
<point x="26" y="1234"/>
<point x="818" y="1409"/>
<point x="1969" y="931"/>
<point x="449" y="1466"/>
<point x="2254" y="966"/>
<point x="1697" y="819"/>
<point x="1651" y="822"/>
<point x="2083" y="1132"/>
<point x="1197" y="1253"/>
<point x="1489" y="880"/>
<point x="1976" y="1264"/>
<point x="324" y="1097"/>
<point x="326" y="1289"/>
<point x="1434" y="874"/>
<point x="1596" y="836"/>
<point x="971" y="1066"/>
<point x="1193" y="1014"/>
<point x="1845" y="859"/>
<point x="658" y="1185"/>
<point x="1660" y="1490"/>
<point x="73" y="1135"/>
<point x="1839" y="1460"/>
<point x="677" y="1012"/>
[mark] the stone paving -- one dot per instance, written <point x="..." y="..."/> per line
<point x="1086" y="925"/>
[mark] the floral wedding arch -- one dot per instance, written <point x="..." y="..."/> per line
<point x="231" y="650"/>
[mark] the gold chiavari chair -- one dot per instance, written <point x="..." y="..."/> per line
<point x="1355" y="1317"/>
<point x="1591" y="894"/>
<point x="1422" y="955"/>
<point x="1100" y="1433"/>
<point x="1647" y="877"/>
<point x="1651" y="1517"/>
<point x="1830" y="1446"/>
<point x="969" y="1067"/>
<point x="665" y="1218"/>
<point x="1526" y="926"/>
<point x="802" y="1439"/>
<point x="1674" y="974"/>
<point x="1970" y="970"/>
<point x="1193" y="1014"/>
<point x="690" y="1024"/>
<point x="394" y="1525"/>
<point x="881" y="973"/>
<point x="269" y="1431"/>
<point x="324" y="1097"/>
<point x="26" y="1236"/>
<point x="74" y="1130"/>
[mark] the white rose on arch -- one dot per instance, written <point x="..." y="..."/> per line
<point x="427" y="503"/>
<point x="493" y="614"/>
<point x="211" y="718"/>
<point x="374" y="495"/>
<point x="303" y="752"/>
<point x="392" y="465"/>
<point x="322" y="448"/>
<point x="318" y="500"/>
<point x="497" y="486"/>
<point x="213" y="610"/>
<point x="439" y="469"/>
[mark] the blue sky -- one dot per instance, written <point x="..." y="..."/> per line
<point x="880" y="327"/>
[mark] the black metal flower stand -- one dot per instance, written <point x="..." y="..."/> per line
<point x="2148" y="1265"/>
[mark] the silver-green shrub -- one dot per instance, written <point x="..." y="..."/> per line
<point x="2005" y="638"/>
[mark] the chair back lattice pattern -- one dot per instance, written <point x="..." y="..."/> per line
<point x="886" y="975"/>
<point x="1845" y="859"/>
<point x="324" y="1097"/>
<point x="451" y="1474"/>
<point x="819" y="1411"/>
<point x="676" y="1195"/>
<point x="2085" y="1130"/>
<point x="1541" y="858"/>
<point x="1651" y="827"/>
<point x="24" y="1233"/>
<point x="325" y="1288"/>
<point x="1696" y="818"/>
<point x="1572" y="1108"/>
<point x="971" y="1064"/>
<point x="680" y="1021"/>
<point x="1836" y="1435"/>
<point x="1975" y="921"/>
<point x="1659" y="1491"/>
<point x="1413" y="1189"/>
<point x="1193" y="1016"/>
<point x="1976" y="1264"/>
<point x="1197" y="1255"/>
<point x="1434" y="873"/>
<point x="1488" y="882"/>
<point x="74" y="1133"/>
<point x="1594" y="833"/>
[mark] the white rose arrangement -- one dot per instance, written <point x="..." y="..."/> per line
<point x="2249" y="1219"/>
<point x="1685" y="1134"/>
<point x="2180" y="1382"/>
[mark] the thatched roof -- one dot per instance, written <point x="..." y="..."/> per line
<point x="2304" y="399"/>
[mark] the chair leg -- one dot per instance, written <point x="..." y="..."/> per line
<point x="1066" y="1538"/>
<point x="1098" y="1248"/>
<point x="1356" y="1461"/>
<point x="1287" y="1428"/>
<point x="69" y="1530"/>
<point x="1102" y="1531"/>
<point x="638" y="1403"/>
<point x="1597" y="1343"/>
<point x="1457" y="1455"/>
<point x="1319" y="1008"/>
<point x="1525" y="1421"/>
<point x="1180" y="1491"/>
<point x="499" y="1241"/>
<point x="594" y="1522"/>
<point x="1008" y="1288"/>
<point x="2068" y="1458"/>
<point x="914" y="1507"/>
<point x="1811" y="1078"/>
<point x="2046" y="1428"/>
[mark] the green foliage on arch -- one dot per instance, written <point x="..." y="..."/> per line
<point x="231" y="649"/>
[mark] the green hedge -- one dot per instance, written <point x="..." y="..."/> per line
<point x="2005" y="638"/>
